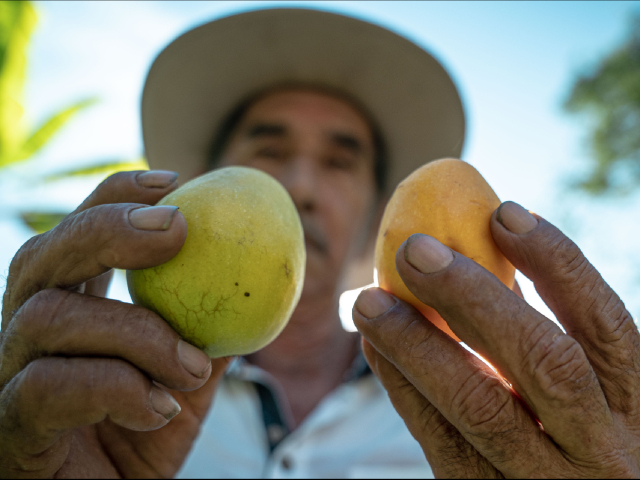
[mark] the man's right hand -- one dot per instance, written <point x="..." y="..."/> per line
<point x="86" y="382"/>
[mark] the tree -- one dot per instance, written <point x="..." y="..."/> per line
<point x="608" y="96"/>
<point x="18" y="143"/>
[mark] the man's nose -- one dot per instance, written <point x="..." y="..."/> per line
<point x="301" y="181"/>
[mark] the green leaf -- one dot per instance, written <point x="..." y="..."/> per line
<point x="42" y="135"/>
<point x="105" y="169"/>
<point x="17" y="21"/>
<point x="608" y="97"/>
<point x="41" y="222"/>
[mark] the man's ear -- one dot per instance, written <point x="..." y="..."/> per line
<point x="360" y="270"/>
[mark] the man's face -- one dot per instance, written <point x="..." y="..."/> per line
<point x="321" y="150"/>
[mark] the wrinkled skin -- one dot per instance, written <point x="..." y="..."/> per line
<point x="569" y="406"/>
<point x="77" y="371"/>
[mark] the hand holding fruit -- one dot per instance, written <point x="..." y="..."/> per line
<point x="82" y="376"/>
<point x="471" y="421"/>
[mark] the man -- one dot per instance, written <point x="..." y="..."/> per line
<point x="88" y="382"/>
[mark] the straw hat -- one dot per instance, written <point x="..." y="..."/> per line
<point x="202" y="75"/>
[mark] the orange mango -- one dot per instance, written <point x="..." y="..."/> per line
<point x="449" y="200"/>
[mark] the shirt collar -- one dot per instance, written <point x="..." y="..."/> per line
<point x="241" y="369"/>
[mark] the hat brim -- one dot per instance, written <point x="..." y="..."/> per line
<point x="202" y="75"/>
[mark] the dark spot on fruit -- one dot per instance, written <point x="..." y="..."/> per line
<point x="385" y="232"/>
<point x="246" y="294"/>
<point x="236" y="284"/>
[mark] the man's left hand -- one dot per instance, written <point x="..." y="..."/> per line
<point x="557" y="404"/>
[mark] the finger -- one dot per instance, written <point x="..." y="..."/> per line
<point x="547" y="368"/>
<point x="141" y="187"/>
<point x="53" y="395"/>
<point x="471" y="396"/>
<point x="587" y="307"/>
<point x="181" y="431"/>
<point x="144" y="186"/>
<point x="200" y="400"/>
<point x="91" y="243"/>
<point x="446" y="450"/>
<point x="60" y="323"/>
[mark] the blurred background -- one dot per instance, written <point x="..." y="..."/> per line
<point x="551" y="90"/>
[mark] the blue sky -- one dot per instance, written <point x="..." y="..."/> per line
<point x="513" y="62"/>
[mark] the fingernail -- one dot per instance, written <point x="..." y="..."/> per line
<point x="194" y="360"/>
<point x="515" y="218"/>
<point x="426" y="254"/>
<point x="163" y="403"/>
<point x="152" y="218"/>
<point x="156" y="178"/>
<point x="373" y="302"/>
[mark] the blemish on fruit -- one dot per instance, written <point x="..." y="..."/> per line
<point x="287" y="270"/>
<point x="246" y="294"/>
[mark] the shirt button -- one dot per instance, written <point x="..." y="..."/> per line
<point x="286" y="463"/>
<point x="275" y="433"/>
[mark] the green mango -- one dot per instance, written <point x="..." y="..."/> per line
<point x="236" y="281"/>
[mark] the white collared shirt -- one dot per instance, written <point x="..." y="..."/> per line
<point x="354" y="432"/>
